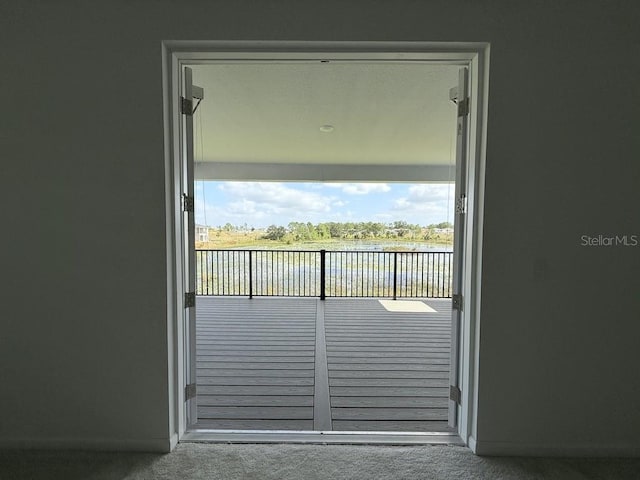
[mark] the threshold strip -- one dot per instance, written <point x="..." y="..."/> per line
<point x="310" y="437"/>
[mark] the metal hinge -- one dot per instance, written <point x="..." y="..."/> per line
<point x="189" y="299"/>
<point x="456" y="300"/>
<point x="463" y="107"/>
<point x="188" y="203"/>
<point x="186" y="106"/>
<point x="190" y="391"/>
<point x="455" y="394"/>
<point x="461" y="204"/>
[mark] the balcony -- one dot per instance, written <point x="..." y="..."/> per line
<point x="316" y="340"/>
<point x="307" y="364"/>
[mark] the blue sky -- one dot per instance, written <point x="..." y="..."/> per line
<point x="260" y="204"/>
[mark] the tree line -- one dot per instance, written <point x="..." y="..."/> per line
<point x="300" y="231"/>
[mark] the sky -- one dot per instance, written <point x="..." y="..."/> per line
<point x="260" y="204"/>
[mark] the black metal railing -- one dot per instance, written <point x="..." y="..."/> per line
<point x="301" y="273"/>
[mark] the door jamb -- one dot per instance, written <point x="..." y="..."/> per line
<point x="176" y="54"/>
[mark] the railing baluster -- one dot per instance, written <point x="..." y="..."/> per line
<point x="440" y="272"/>
<point x="440" y="275"/>
<point x="322" y="275"/>
<point x="420" y="269"/>
<point x="415" y="273"/>
<point x="226" y="266"/>
<point x="259" y="273"/>
<point x="395" y="275"/>
<point x="250" y="276"/>
<point x="361" y="278"/>
<point x="217" y="277"/>
<point x="433" y="269"/>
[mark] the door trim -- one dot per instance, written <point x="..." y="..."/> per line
<point x="177" y="54"/>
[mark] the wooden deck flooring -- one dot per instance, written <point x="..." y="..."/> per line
<point x="304" y="364"/>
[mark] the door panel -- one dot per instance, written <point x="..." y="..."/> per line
<point x="462" y="102"/>
<point x="188" y="222"/>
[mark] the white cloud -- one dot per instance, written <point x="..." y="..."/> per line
<point x="360" y="188"/>
<point x="428" y="200"/>
<point x="242" y="207"/>
<point x="261" y="203"/>
<point x="430" y="192"/>
<point x="276" y="197"/>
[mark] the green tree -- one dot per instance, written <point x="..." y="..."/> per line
<point x="322" y="229"/>
<point x="298" y="231"/>
<point x="274" y="232"/>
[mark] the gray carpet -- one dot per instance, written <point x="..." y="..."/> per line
<point x="283" y="462"/>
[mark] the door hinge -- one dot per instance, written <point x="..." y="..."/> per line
<point x="189" y="299"/>
<point x="190" y="391"/>
<point x="188" y="203"/>
<point x="463" y="107"/>
<point x="186" y="106"/>
<point x="455" y="394"/>
<point x="461" y="204"/>
<point x="456" y="300"/>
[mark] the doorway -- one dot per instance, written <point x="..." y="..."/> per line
<point x="324" y="325"/>
<point x="379" y="167"/>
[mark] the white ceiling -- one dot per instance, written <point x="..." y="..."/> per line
<point x="382" y="114"/>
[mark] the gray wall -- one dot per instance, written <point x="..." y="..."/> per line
<point x="83" y="343"/>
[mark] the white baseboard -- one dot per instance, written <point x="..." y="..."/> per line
<point x="551" y="449"/>
<point x="173" y="442"/>
<point x="153" y="445"/>
<point x="472" y="444"/>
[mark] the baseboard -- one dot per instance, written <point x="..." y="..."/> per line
<point x="173" y="442"/>
<point x="551" y="449"/>
<point x="473" y="445"/>
<point x="153" y="445"/>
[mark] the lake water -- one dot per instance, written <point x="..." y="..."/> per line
<point x="368" y="246"/>
<point x="360" y="269"/>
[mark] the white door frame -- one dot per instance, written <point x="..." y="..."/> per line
<point x="475" y="56"/>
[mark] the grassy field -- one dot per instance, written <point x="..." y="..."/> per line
<point x="221" y="239"/>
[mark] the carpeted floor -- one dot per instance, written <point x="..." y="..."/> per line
<point x="284" y="462"/>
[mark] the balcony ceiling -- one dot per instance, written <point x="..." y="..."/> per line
<point x="382" y="114"/>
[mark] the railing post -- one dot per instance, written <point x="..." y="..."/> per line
<point x="395" y="274"/>
<point x="250" y="275"/>
<point x="322" y="274"/>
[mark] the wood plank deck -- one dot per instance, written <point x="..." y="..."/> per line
<point x="255" y="363"/>
<point x="341" y="364"/>
<point x="388" y="370"/>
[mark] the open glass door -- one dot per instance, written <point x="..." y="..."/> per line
<point x="460" y="96"/>
<point x="189" y="94"/>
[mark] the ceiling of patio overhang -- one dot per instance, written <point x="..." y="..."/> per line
<point x="258" y="118"/>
